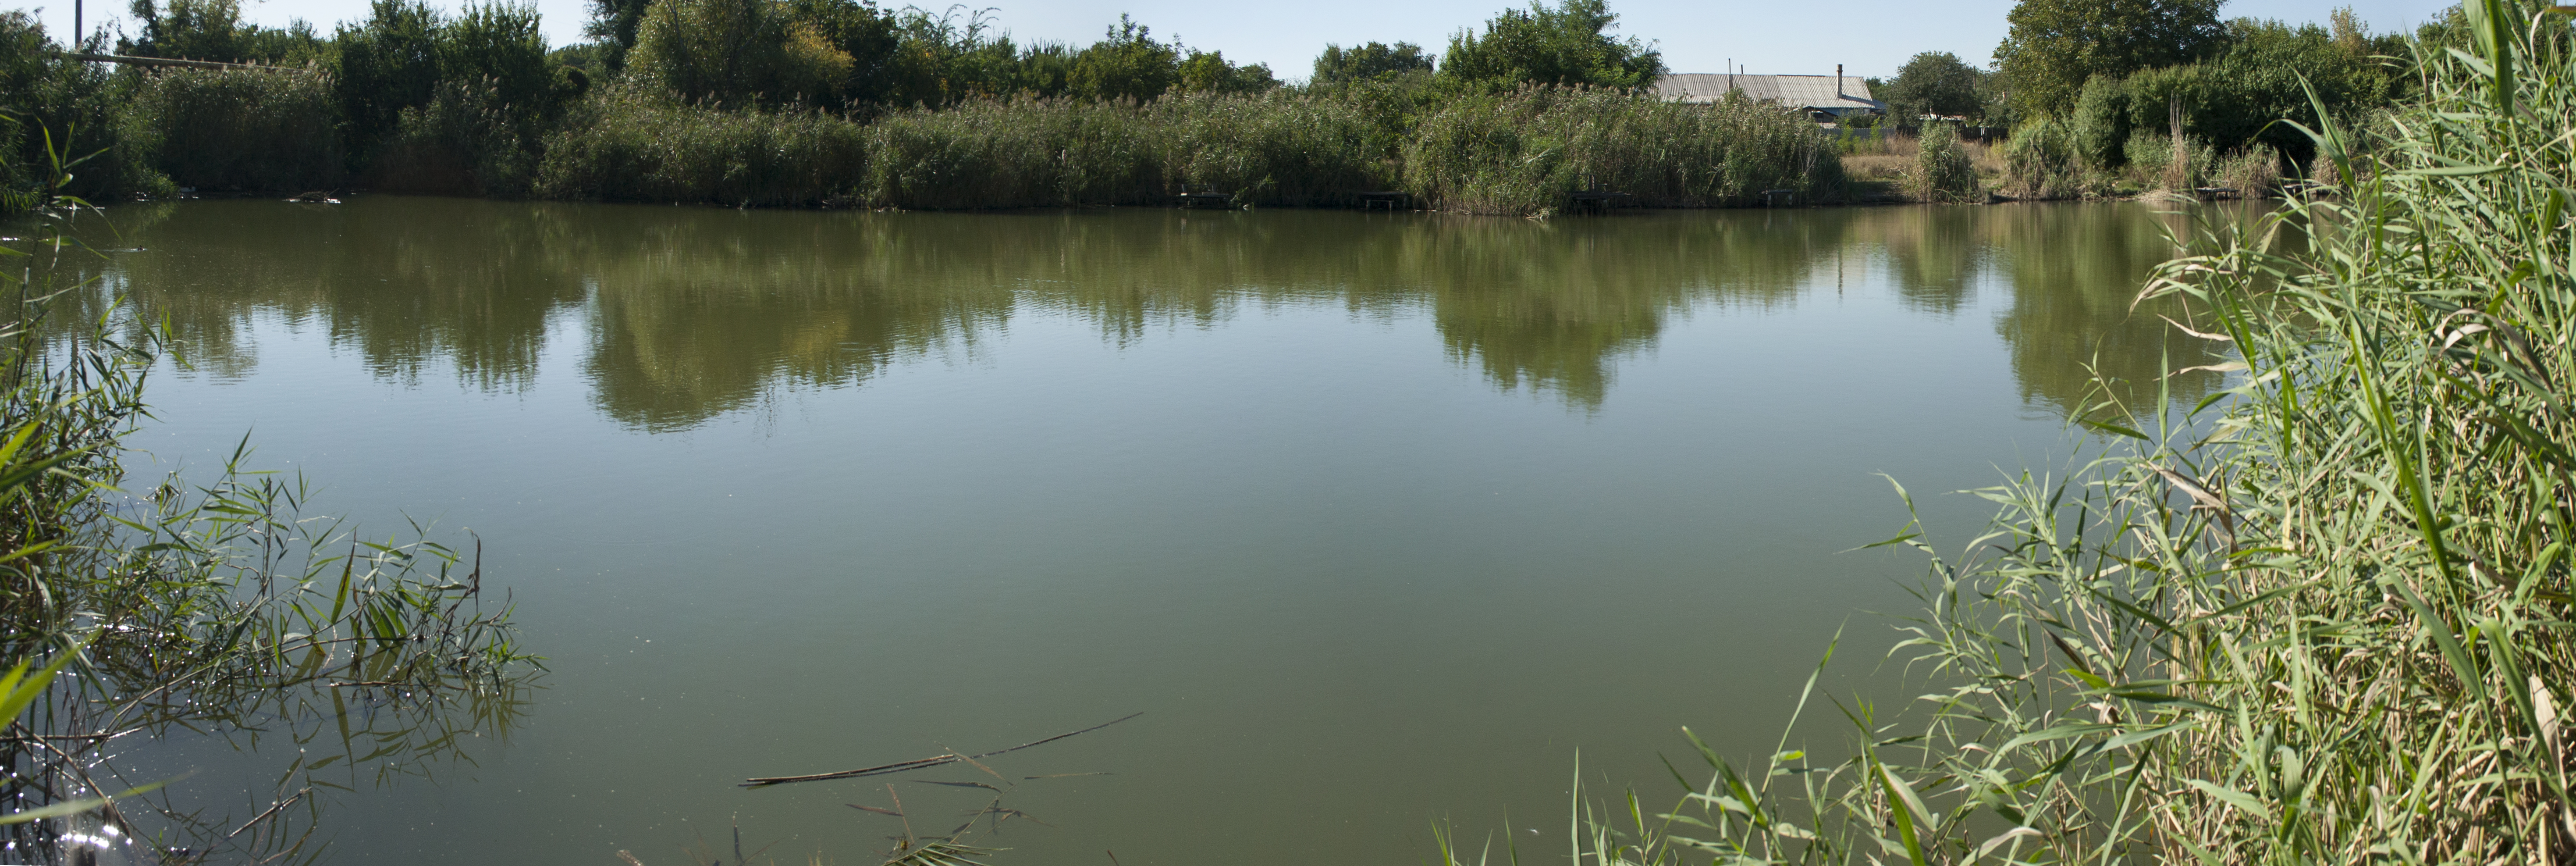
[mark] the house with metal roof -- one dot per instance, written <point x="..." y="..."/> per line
<point x="1823" y="97"/>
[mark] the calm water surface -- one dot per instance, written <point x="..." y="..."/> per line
<point x="1377" y="519"/>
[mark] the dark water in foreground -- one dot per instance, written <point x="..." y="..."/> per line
<point x="1377" y="519"/>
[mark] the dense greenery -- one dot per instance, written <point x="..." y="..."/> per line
<point x="837" y="102"/>
<point x="1933" y="82"/>
<point x="2230" y="84"/>
<point x="1569" y="44"/>
<point x="2318" y="617"/>
<point x="1369" y="62"/>
<point x="2055" y="46"/>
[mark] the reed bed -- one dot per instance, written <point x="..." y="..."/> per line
<point x="235" y="130"/>
<point x="1523" y="152"/>
<point x="627" y="145"/>
<point x="191" y="605"/>
<point x="2318" y="617"/>
<point x="1526" y="151"/>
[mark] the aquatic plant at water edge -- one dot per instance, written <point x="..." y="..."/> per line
<point x="1942" y="170"/>
<point x="198" y="607"/>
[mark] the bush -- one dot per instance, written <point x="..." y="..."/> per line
<point x="735" y="52"/>
<point x="243" y="130"/>
<point x="2040" y="161"/>
<point x="2101" y="122"/>
<point x="1942" y="171"/>
<point x="78" y="108"/>
<point x="2151" y="156"/>
<point x="622" y="144"/>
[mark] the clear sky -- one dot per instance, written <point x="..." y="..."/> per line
<point x="1869" y="37"/>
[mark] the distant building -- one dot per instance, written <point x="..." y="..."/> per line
<point x="1825" y="98"/>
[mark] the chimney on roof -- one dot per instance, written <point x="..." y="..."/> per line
<point x="1838" y="79"/>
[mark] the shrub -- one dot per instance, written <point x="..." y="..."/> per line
<point x="1942" y="171"/>
<point x="466" y="141"/>
<point x="2101" y="122"/>
<point x="2151" y="161"/>
<point x="735" y="52"/>
<point x="78" y="108"/>
<point x="2040" y="161"/>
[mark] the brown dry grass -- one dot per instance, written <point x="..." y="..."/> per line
<point x="1892" y="160"/>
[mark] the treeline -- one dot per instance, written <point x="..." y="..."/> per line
<point x="838" y="102"/>
<point x="2091" y="88"/>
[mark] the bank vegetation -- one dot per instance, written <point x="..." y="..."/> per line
<point x="2320" y="616"/>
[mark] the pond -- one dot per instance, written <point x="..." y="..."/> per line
<point x="1376" y="519"/>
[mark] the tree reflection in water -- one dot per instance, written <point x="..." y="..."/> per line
<point x="693" y="313"/>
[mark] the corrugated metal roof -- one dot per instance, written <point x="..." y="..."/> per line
<point x="1795" y="91"/>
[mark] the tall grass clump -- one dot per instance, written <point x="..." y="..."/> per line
<point x="2041" y="161"/>
<point x="1276" y="149"/>
<point x="187" y="606"/>
<point x="1018" y="153"/>
<point x="256" y="131"/>
<point x="1525" y="151"/>
<point x="2254" y="172"/>
<point x="1942" y="170"/>
<point x="2321" y="617"/>
<point x="626" y="144"/>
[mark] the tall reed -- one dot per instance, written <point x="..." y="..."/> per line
<point x="624" y="144"/>
<point x="2319" y="617"/>
<point x="1525" y="151"/>
<point x="239" y="130"/>
<point x="192" y="604"/>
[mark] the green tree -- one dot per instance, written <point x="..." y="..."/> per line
<point x="2102" y="120"/>
<point x="213" y="30"/>
<point x="1373" y="60"/>
<point x="2055" y="46"/>
<point x="1208" y="72"/>
<point x="1126" y="64"/>
<point x="1934" y="82"/>
<point x="614" y="25"/>
<point x="2234" y="99"/>
<point x="1565" y="45"/>
<point x="498" y="44"/>
<point x="385" y="65"/>
<point x="869" y="37"/>
<point x="737" y="52"/>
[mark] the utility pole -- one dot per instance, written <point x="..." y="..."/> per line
<point x="76" y="25"/>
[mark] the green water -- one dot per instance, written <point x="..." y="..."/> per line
<point x="1376" y="518"/>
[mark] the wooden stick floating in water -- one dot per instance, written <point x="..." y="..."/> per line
<point x="919" y="763"/>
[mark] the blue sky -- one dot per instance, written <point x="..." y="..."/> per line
<point x="1871" y="37"/>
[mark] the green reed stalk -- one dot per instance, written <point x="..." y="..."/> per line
<point x="179" y="610"/>
<point x="2321" y="617"/>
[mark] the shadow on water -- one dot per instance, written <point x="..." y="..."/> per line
<point x="695" y="313"/>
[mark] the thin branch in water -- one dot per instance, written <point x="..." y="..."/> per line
<point x="919" y="763"/>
